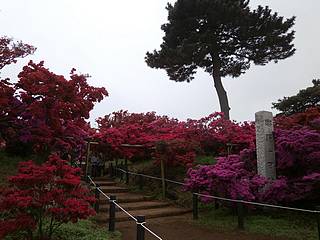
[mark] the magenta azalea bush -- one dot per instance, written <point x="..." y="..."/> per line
<point x="231" y="177"/>
<point x="298" y="170"/>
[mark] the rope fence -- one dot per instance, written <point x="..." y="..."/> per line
<point x="149" y="176"/>
<point x="139" y="220"/>
<point x="240" y="203"/>
<point x="258" y="204"/>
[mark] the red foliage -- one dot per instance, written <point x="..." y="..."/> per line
<point x="10" y="51"/>
<point x="147" y="130"/>
<point x="182" y="139"/>
<point x="10" y="106"/>
<point x="51" y="191"/>
<point x="54" y="108"/>
<point x="298" y="120"/>
<point x="219" y="136"/>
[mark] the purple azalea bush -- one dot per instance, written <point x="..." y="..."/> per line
<point x="298" y="171"/>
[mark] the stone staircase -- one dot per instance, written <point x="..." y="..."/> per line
<point x="136" y="204"/>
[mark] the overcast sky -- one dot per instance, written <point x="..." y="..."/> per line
<point x="109" y="39"/>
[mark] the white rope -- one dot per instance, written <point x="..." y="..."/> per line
<point x="282" y="207"/>
<point x="103" y="193"/>
<point x="179" y="183"/>
<point x="148" y="176"/>
<point x="146" y="228"/>
<point x="257" y="204"/>
<point x="125" y="211"/>
<point x="94" y="184"/>
<point x="115" y="203"/>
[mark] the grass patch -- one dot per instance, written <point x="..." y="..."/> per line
<point x="82" y="230"/>
<point x="205" y="160"/>
<point x="9" y="164"/>
<point x="85" y="230"/>
<point x="276" y="224"/>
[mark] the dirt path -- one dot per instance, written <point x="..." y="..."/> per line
<point x="181" y="228"/>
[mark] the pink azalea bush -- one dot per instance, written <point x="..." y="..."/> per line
<point x="298" y="168"/>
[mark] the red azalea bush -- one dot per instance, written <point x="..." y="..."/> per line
<point x="310" y="117"/>
<point x="147" y="130"/>
<point x="219" y="136"/>
<point x="47" y="111"/>
<point x="41" y="198"/>
<point x="10" y="107"/>
<point x="183" y="139"/>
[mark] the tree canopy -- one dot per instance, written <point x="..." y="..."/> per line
<point x="10" y="50"/>
<point x="223" y="37"/>
<point x="306" y="98"/>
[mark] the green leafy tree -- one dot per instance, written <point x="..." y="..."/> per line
<point x="306" y="98"/>
<point x="223" y="37"/>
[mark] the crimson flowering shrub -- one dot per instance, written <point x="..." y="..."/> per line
<point x="9" y="108"/>
<point x="214" y="133"/>
<point x="55" y="108"/>
<point x="41" y="198"/>
<point x="308" y="118"/>
<point x="148" y="130"/>
<point x="51" y="111"/>
<point x="183" y="139"/>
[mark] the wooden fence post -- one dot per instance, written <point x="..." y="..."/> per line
<point x="140" y="229"/>
<point x="195" y="210"/>
<point x="112" y="213"/>
<point x="240" y="212"/>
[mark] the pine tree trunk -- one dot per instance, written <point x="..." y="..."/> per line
<point x="222" y="94"/>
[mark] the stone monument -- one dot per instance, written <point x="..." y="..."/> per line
<point x="265" y="144"/>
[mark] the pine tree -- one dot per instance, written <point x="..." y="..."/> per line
<point x="223" y="37"/>
<point x="306" y="98"/>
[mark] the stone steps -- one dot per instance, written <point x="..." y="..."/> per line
<point x="137" y="205"/>
<point x="113" y="189"/>
<point x="148" y="213"/>
<point x="106" y="183"/>
<point x="125" y="198"/>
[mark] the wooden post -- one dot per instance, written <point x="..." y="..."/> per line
<point x="97" y="196"/>
<point x="163" y="179"/>
<point x="121" y="172"/>
<point x="87" y="157"/>
<point x="318" y="221"/>
<point x="127" y="173"/>
<point x="112" y="213"/>
<point x="240" y="212"/>
<point x="140" y="182"/>
<point x="195" y="210"/>
<point x="116" y="168"/>
<point x="140" y="229"/>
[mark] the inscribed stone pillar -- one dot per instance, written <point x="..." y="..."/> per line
<point x="265" y="144"/>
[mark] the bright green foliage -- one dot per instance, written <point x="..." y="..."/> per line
<point x="306" y="98"/>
